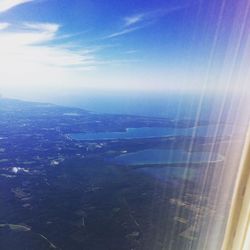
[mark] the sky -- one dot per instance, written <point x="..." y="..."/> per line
<point x="74" y="46"/>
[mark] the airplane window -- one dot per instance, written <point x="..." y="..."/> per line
<point x="122" y="123"/>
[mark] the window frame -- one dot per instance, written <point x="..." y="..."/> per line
<point x="237" y="233"/>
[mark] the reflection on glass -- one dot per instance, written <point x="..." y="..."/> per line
<point x="122" y="123"/>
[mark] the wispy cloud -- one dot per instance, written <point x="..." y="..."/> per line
<point x="29" y="47"/>
<point x="8" y="4"/>
<point x="43" y="27"/>
<point x="32" y="58"/>
<point x="133" y="19"/>
<point x="150" y="15"/>
<point x="130" y="52"/>
<point x="4" y="26"/>
<point x="141" y="20"/>
<point x="123" y="32"/>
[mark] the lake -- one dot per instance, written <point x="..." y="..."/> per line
<point x="161" y="156"/>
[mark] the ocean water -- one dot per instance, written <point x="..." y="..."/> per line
<point x="161" y="105"/>
<point x="214" y="108"/>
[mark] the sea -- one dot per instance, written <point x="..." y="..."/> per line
<point x="171" y="105"/>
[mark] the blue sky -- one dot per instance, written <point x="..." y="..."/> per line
<point x="150" y="45"/>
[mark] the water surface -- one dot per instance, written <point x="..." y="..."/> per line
<point x="161" y="156"/>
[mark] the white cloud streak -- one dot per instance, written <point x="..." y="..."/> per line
<point x="31" y="59"/>
<point x="141" y="20"/>
<point x="133" y="19"/>
<point x="5" y="5"/>
<point x="29" y="46"/>
<point x="150" y="16"/>
<point x="4" y="26"/>
<point x="47" y="27"/>
<point x="123" y="32"/>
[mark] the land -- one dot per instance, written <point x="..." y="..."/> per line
<point x="59" y="193"/>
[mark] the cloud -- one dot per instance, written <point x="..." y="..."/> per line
<point x="133" y="19"/>
<point x="5" y="5"/>
<point x="123" y="32"/>
<point x="141" y="20"/>
<point x="4" y="26"/>
<point x="29" y="45"/>
<point x="150" y="15"/>
<point x="132" y="51"/>
<point x="42" y="27"/>
<point x="32" y="59"/>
